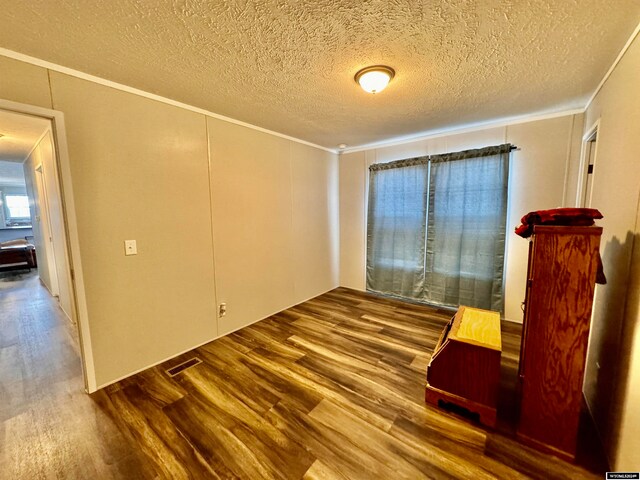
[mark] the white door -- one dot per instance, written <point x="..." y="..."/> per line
<point x="44" y="223"/>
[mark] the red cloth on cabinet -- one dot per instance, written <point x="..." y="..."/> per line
<point x="574" y="217"/>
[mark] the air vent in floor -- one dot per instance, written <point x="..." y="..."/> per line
<point x="172" y="372"/>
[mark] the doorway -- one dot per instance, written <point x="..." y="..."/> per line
<point x="587" y="167"/>
<point x="32" y="205"/>
<point x="33" y="140"/>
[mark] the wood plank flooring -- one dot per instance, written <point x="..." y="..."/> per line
<point x="329" y="389"/>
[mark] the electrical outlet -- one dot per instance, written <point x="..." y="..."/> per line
<point x="130" y="247"/>
<point x="222" y="310"/>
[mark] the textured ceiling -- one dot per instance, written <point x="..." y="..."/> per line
<point x="20" y="134"/>
<point x="288" y="65"/>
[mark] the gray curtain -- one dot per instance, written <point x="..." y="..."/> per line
<point x="466" y="228"/>
<point x="396" y="228"/>
<point x="436" y="228"/>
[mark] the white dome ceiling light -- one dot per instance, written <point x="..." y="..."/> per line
<point x="374" y="79"/>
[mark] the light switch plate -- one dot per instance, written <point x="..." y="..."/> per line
<point x="130" y="247"/>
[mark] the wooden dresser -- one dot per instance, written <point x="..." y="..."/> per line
<point x="465" y="367"/>
<point x="561" y="275"/>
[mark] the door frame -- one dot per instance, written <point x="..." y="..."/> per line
<point x="584" y="163"/>
<point x="75" y="272"/>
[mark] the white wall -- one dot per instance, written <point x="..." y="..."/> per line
<point x="353" y="182"/>
<point x="273" y="211"/>
<point x="612" y="378"/>
<point x="15" y="233"/>
<point x="141" y="169"/>
<point x="537" y="181"/>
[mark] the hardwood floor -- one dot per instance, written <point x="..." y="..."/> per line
<point x="329" y="389"/>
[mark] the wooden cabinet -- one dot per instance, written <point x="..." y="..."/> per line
<point x="563" y="262"/>
<point x="465" y="367"/>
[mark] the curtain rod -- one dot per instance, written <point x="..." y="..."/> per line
<point x="446" y="157"/>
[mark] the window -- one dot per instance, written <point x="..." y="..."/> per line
<point x="436" y="228"/>
<point x="17" y="206"/>
<point x="16" y="210"/>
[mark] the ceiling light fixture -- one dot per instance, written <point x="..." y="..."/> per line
<point x="374" y="79"/>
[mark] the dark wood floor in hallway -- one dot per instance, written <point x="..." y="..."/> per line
<point x="330" y="389"/>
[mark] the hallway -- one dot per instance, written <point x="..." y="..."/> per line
<point x="49" y="427"/>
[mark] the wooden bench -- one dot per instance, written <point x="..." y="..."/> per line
<point x="464" y="370"/>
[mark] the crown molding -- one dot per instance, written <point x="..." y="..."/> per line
<point x="152" y="96"/>
<point x="473" y="127"/>
<point x="614" y="65"/>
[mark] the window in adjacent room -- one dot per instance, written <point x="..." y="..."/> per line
<point x="436" y="227"/>
<point x="17" y="210"/>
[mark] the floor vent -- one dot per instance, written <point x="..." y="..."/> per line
<point x="172" y="372"/>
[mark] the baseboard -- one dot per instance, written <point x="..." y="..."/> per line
<point x="66" y="314"/>
<point x="46" y="286"/>
<point x="135" y="372"/>
<point x="517" y="322"/>
<point x="417" y="302"/>
<point x="352" y="288"/>
<point x="598" y="432"/>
